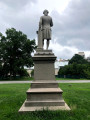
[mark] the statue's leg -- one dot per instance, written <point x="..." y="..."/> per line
<point x="47" y="44"/>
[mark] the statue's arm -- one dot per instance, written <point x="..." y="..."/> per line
<point x="51" y="24"/>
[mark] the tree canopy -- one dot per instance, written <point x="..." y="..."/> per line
<point x="78" y="68"/>
<point x="15" y="52"/>
<point x="78" y="59"/>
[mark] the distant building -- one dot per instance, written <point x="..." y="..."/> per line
<point x="60" y="63"/>
<point x="29" y="70"/>
<point x="82" y="54"/>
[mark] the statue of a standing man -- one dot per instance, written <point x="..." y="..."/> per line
<point x="45" y="25"/>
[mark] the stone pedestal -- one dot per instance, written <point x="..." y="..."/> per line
<point x="44" y="92"/>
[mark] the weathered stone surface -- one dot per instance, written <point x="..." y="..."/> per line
<point x="44" y="92"/>
<point x="38" y="50"/>
<point x="44" y="84"/>
<point x="44" y="65"/>
<point x="45" y="103"/>
<point x="24" y="109"/>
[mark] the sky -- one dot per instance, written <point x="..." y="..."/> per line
<point x="71" y="18"/>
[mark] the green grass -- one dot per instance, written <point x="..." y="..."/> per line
<point x="77" y="97"/>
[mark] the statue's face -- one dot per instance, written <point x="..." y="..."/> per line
<point x="45" y="13"/>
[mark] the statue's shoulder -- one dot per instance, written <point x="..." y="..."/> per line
<point x="49" y="17"/>
<point x="41" y="17"/>
<point x="44" y="17"/>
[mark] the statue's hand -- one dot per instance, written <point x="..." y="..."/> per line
<point x="37" y="32"/>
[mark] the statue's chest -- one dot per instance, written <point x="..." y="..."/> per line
<point x="46" y="20"/>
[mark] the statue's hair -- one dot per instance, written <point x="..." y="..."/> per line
<point x="45" y="11"/>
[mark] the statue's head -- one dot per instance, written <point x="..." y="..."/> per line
<point x="45" y="12"/>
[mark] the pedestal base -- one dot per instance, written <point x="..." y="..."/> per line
<point x="44" y="98"/>
<point x="40" y="108"/>
<point x="44" y="92"/>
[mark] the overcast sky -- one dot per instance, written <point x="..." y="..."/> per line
<point x="71" y="18"/>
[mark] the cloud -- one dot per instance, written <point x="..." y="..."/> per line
<point x="72" y="28"/>
<point x="64" y="52"/>
<point x="16" y="4"/>
<point x="20" y="15"/>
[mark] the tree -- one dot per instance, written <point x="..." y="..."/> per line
<point x="15" y="52"/>
<point x="77" y="59"/>
<point x="74" y="70"/>
<point x="78" y="68"/>
<point x="87" y="71"/>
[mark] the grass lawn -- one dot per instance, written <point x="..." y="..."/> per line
<point x="77" y="97"/>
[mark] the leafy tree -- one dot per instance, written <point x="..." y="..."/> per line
<point x="87" y="71"/>
<point x="77" y="59"/>
<point x="73" y="70"/>
<point x="78" y="68"/>
<point x="15" y="52"/>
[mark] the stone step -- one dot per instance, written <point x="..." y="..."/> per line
<point x="44" y="90"/>
<point x="44" y="85"/>
<point x="42" y="50"/>
<point x="41" y="94"/>
<point x="45" y="103"/>
<point x="24" y="109"/>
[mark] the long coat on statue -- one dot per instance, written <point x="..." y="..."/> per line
<point x="45" y="25"/>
